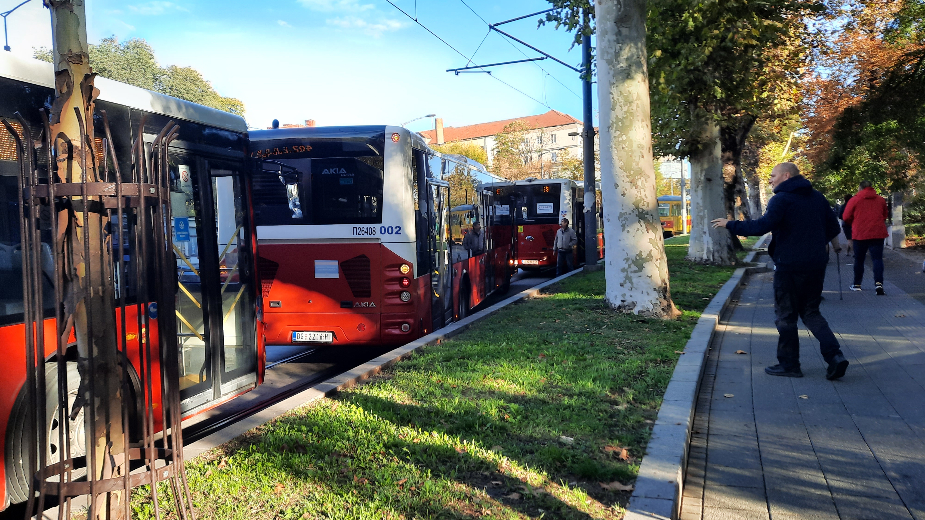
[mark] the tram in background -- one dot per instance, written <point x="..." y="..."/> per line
<point x="669" y="212"/>
<point x="535" y="209"/>
<point x="356" y="245"/>
<point x="219" y="336"/>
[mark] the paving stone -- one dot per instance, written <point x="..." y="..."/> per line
<point x="871" y="508"/>
<point x="716" y="513"/>
<point x="735" y="497"/>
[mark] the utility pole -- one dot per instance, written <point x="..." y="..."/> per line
<point x="683" y="201"/>
<point x="587" y="135"/>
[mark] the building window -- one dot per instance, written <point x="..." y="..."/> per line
<point x="552" y="138"/>
<point x="555" y="156"/>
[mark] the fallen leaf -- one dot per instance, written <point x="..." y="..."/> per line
<point x="542" y="356"/>
<point x="400" y="482"/>
<point x="804" y="396"/>
<point x="223" y="464"/>
<point x="728" y="395"/>
<point x="279" y="488"/>
<point x="566" y="440"/>
<point x="616" y="486"/>
<point x="741" y="352"/>
<point x="678" y="352"/>
<point x="208" y="473"/>
<point x="513" y="496"/>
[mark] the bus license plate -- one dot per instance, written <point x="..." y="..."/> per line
<point x="313" y="337"/>
<point x="531" y="262"/>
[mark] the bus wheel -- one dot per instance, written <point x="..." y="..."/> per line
<point x="19" y="442"/>
<point x="463" y="303"/>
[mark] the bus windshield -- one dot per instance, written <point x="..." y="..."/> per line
<point x="540" y="202"/>
<point x="319" y="181"/>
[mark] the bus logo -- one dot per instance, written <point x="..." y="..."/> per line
<point x="364" y="305"/>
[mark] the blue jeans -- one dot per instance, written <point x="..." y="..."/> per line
<point x="798" y="294"/>
<point x="861" y="247"/>
<point x="564" y="262"/>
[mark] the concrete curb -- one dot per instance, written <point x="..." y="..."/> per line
<point x="356" y="376"/>
<point x="660" y="482"/>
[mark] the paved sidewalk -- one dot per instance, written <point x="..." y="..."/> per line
<point x="767" y="447"/>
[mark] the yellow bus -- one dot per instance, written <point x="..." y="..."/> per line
<point x="669" y="212"/>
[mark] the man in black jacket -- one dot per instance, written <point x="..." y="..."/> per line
<point x="802" y="224"/>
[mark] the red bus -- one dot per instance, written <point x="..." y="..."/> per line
<point x="219" y="335"/>
<point x="356" y="245"/>
<point x="536" y="207"/>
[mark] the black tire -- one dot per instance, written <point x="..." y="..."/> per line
<point x="19" y="440"/>
<point x="506" y="277"/>
<point x="463" y="303"/>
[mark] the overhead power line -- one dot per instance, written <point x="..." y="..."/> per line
<point x="464" y="56"/>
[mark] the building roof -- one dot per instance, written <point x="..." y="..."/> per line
<point x="461" y="133"/>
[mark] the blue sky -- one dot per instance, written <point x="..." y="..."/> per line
<point x="343" y="61"/>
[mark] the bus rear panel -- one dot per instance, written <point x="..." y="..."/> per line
<point x="337" y="250"/>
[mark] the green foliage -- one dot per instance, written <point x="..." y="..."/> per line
<point x="470" y="150"/>
<point x="133" y="62"/>
<point x="512" y="152"/>
<point x="463" y="184"/>
<point x="720" y="60"/>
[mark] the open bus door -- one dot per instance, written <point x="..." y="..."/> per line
<point x="215" y="308"/>
<point x="438" y="242"/>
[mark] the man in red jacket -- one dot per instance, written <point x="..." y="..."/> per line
<point x="867" y="212"/>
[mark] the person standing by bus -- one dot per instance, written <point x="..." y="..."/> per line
<point x="866" y="213"/>
<point x="565" y="243"/>
<point x="474" y="241"/>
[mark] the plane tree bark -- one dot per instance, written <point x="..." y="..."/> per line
<point x="636" y="266"/>
<point x="89" y="286"/>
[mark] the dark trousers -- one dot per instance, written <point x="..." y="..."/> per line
<point x="798" y="294"/>
<point x="861" y="247"/>
<point x="564" y="262"/>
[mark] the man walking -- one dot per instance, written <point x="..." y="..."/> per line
<point x="866" y="213"/>
<point x="566" y="240"/>
<point x="802" y="224"/>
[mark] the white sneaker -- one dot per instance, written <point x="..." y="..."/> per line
<point x="854" y="287"/>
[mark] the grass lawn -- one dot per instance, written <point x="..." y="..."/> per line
<point x="542" y="410"/>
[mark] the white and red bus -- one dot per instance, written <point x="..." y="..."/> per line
<point x="219" y="347"/>
<point x="355" y="236"/>
<point x="535" y="207"/>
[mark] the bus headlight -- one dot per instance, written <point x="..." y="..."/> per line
<point x="405" y="296"/>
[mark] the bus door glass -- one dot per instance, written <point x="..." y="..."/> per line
<point x="439" y="247"/>
<point x="214" y="304"/>
<point x="238" y="353"/>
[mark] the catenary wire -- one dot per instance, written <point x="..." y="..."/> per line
<point x="519" y="50"/>
<point x="464" y="56"/>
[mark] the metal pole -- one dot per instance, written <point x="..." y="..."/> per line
<point x="683" y="201"/>
<point x="587" y="135"/>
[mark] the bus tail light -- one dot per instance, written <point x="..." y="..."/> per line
<point x="405" y="268"/>
<point x="405" y="296"/>
<point x="405" y="282"/>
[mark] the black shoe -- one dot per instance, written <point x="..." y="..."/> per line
<point x="880" y="289"/>
<point x="779" y="370"/>
<point x="837" y="367"/>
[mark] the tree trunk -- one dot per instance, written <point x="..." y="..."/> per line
<point x="752" y="180"/>
<point x="733" y="136"/>
<point x="636" y="269"/>
<point x="708" y="245"/>
<point x="88" y="281"/>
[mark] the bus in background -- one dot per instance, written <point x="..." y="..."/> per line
<point x="218" y="332"/>
<point x="669" y="212"/>
<point x="356" y="242"/>
<point x="536" y="207"/>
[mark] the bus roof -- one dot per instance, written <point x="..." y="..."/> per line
<point x="42" y="73"/>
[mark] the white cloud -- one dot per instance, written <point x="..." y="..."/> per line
<point x="336" y="5"/>
<point x="371" y="28"/>
<point x="155" y="8"/>
<point x="283" y="23"/>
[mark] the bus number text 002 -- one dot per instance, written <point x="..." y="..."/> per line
<point x="367" y="231"/>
